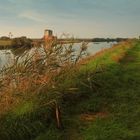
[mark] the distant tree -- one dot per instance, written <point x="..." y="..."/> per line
<point x="22" y="42"/>
<point x="10" y="35"/>
<point x="4" y="38"/>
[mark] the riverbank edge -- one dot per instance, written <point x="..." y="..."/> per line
<point x="103" y="115"/>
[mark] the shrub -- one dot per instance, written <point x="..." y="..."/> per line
<point x="21" y="42"/>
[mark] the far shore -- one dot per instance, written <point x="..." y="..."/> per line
<point x="7" y="43"/>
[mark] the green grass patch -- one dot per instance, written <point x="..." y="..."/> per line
<point x="24" y="108"/>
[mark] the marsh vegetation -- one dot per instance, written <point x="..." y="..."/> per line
<point x="55" y="93"/>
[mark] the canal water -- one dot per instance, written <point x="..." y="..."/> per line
<point x="7" y="55"/>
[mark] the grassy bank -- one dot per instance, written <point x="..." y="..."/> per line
<point x="5" y="43"/>
<point x="95" y="99"/>
<point x="112" y="109"/>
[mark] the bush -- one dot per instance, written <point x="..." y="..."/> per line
<point x="22" y="42"/>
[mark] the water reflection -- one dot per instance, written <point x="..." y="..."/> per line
<point x="6" y="57"/>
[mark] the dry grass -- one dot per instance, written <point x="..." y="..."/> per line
<point x="43" y="69"/>
<point x="35" y="88"/>
<point x="93" y="116"/>
<point x="36" y="72"/>
<point x="5" y="42"/>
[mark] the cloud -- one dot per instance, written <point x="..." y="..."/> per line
<point x="79" y="17"/>
<point x="20" y="1"/>
<point x="32" y="15"/>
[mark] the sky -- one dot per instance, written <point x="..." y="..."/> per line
<point x="77" y="18"/>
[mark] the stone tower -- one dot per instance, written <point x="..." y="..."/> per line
<point x="48" y="34"/>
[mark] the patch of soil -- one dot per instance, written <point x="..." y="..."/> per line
<point x="93" y="116"/>
<point x="129" y="59"/>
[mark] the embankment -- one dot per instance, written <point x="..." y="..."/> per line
<point x="98" y="98"/>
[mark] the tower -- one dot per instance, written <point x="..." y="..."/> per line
<point x="48" y="34"/>
<point x="49" y="37"/>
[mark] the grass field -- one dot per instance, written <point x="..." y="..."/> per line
<point x="112" y="112"/>
<point x="99" y="100"/>
<point x="5" y="43"/>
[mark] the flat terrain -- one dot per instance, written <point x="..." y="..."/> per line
<point x="112" y="112"/>
<point x="5" y="43"/>
<point x="98" y="99"/>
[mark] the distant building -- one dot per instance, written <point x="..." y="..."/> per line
<point x="48" y="35"/>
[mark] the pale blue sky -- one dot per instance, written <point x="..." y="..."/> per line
<point x="80" y="18"/>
